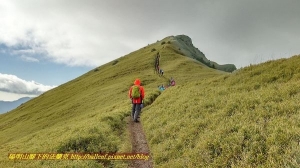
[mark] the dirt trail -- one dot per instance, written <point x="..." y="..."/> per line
<point x="139" y="144"/>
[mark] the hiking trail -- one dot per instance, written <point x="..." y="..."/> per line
<point x="138" y="138"/>
<point x="139" y="144"/>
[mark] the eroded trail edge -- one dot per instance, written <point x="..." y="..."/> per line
<point x="139" y="144"/>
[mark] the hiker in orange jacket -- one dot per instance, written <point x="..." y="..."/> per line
<point x="136" y="102"/>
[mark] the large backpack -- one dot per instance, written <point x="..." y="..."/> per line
<point x="135" y="92"/>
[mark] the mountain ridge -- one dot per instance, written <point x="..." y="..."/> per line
<point x="185" y="45"/>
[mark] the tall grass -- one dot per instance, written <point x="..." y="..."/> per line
<point x="246" y="119"/>
<point x="86" y="114"/>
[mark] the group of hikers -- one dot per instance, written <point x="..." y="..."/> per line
<point x="137" y="93"/>
<point x="171" y="83"/>
<point x="157" y="69"/>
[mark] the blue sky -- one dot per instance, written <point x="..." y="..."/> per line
<point x="46" y="43"/>
<point x="40" y="70"/>
<point x="35" y="67"/>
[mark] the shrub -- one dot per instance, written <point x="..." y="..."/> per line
<point x="90" y="144"/>
<point x="115" y="62"/>
<point x="151" y="98"/>
<point x="96" y="142"/>
<point x="162" y="43"/>
<point x="153" y="49"/>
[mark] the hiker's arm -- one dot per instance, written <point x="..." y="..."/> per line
<point x="143" y="93"/>
<point x="129" y="93"/>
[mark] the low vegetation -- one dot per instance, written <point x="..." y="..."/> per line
<point x="246" y="119"/>
<point x="211" y="118"/>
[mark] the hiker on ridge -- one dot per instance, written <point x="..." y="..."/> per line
<point x="156" y="64"/>
<point x="161" y="87"/>
<point x="172" y="82"/>
<point x="161" y="72"/>
<point x="136" y="94"/>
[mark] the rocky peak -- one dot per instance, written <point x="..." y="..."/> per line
<point x="185" y="45"/>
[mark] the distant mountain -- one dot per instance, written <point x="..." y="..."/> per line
<point x="6" y="106"/>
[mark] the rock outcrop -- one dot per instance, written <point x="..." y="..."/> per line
<point x="186" y="47"/>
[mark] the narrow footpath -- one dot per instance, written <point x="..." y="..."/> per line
<point x="139" y="144"/>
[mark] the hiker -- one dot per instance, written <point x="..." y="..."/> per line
<point x="161" y="72"/>
<point x="156" y="64"/>
<point x="161" y="87"/>
<point x="157" y="58"/>
<point x="156" y="67"/>
<point x="136" y="94"/>
<point x="141" y="106"/>
<point x="172" y="82"/>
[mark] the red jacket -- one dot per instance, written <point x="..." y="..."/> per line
<point x="137" y="82"/>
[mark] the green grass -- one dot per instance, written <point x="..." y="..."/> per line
<point x="84" y="115"/>
<point x="209" y="119"/>
<point x="234" y="120"/>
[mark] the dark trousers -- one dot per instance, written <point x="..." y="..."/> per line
<point x="136" y="110"/>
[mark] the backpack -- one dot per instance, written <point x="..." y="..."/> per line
<point x="135" y="92"/>
<point x="173" y="83"/>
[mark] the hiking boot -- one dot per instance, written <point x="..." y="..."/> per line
<point x="136" y="121"/>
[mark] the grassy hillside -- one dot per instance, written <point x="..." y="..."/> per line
<point x="246" y="119"/>
<point x="210" y="118"/>
<point x="87" y="114"/>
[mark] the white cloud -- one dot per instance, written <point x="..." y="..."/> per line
<point x="29" y="59"/>
<point x="93" y="32"/>
<point x="68" y="33"/>
<point x="13" y="84"/>
<point x="6" y="96"/>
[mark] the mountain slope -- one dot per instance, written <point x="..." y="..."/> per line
<point x="87" y="113"/>
<point x="209" y="119"/>
<point x="6" y="106"/>
<point x="246" y="119"/>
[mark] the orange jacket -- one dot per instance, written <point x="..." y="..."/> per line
<point x="138" y="100"/>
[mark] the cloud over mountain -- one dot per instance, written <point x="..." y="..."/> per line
<point x="13" y="84"/>
<point x="59" y="32"/>
<point x="93" y="32"/>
